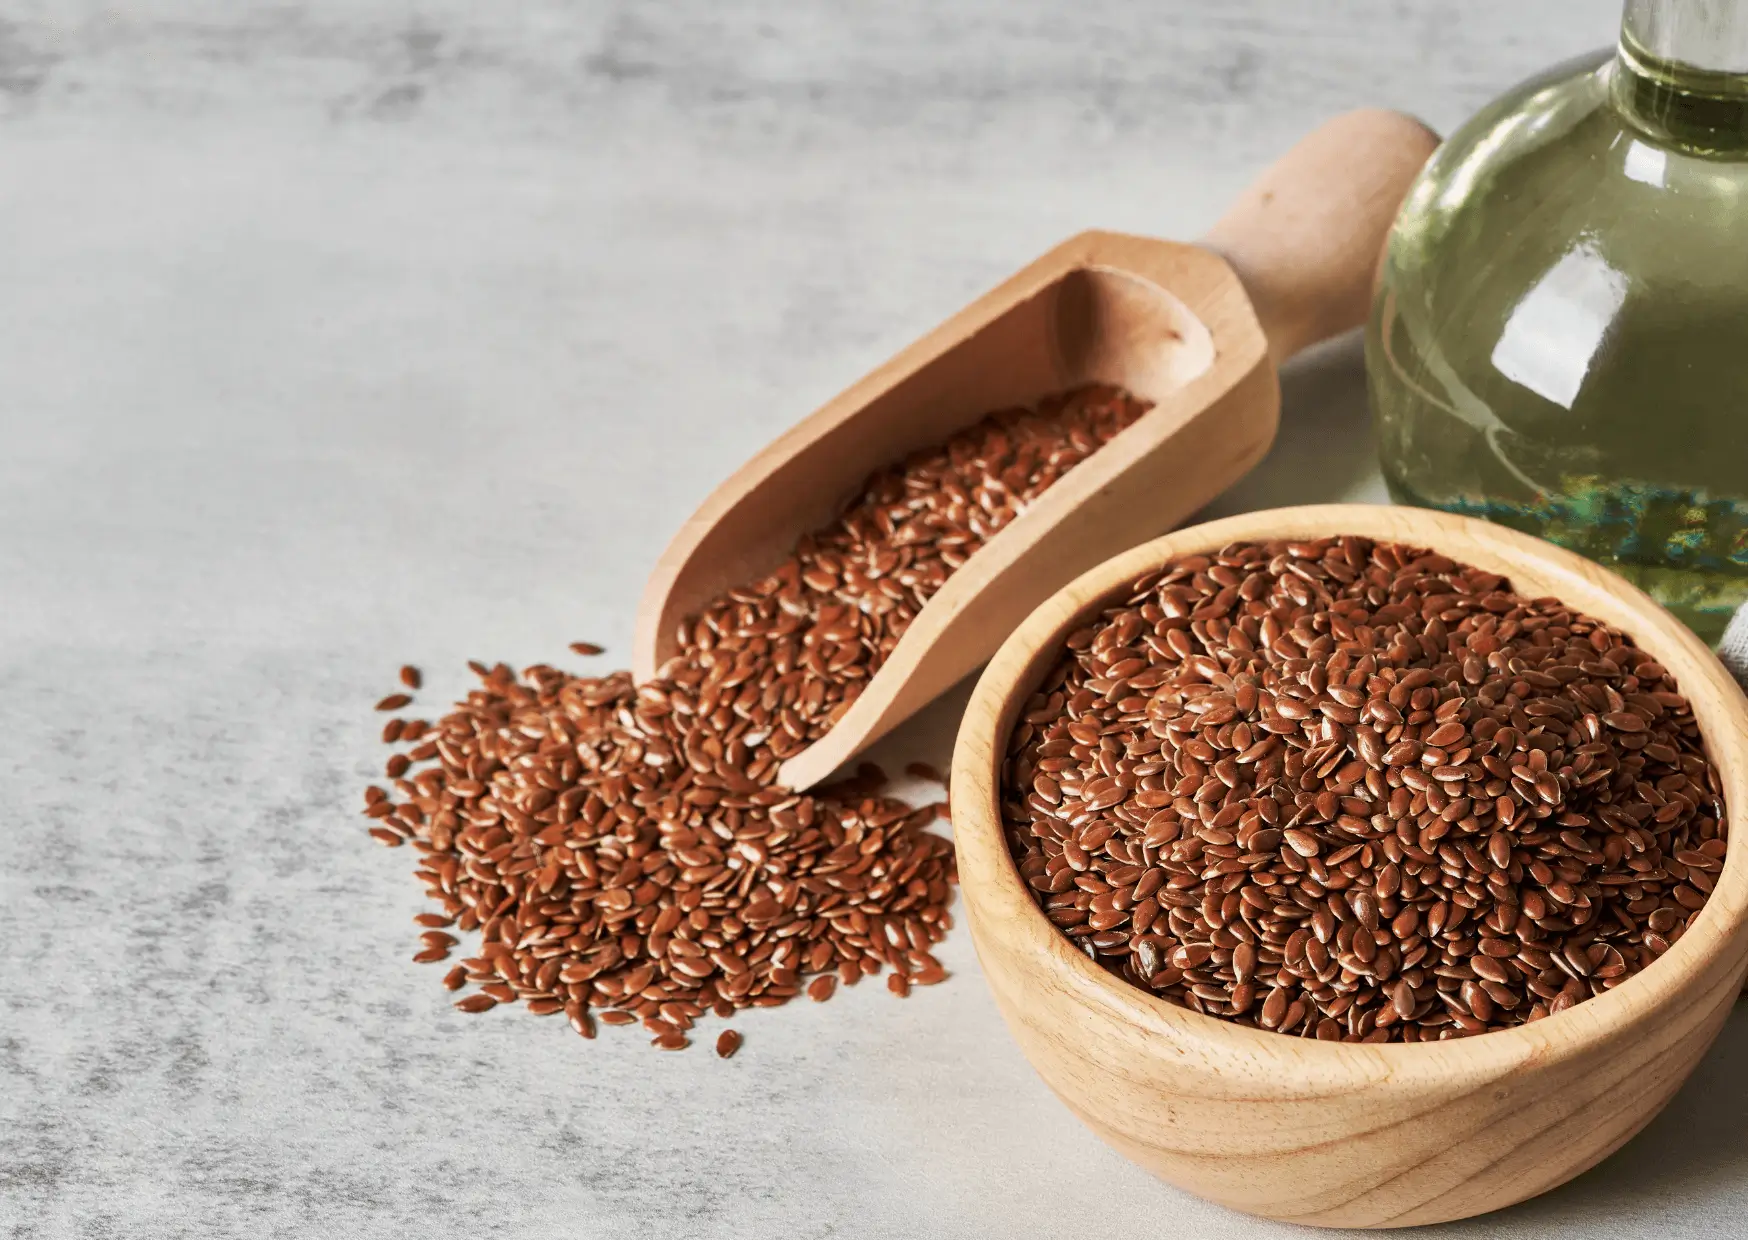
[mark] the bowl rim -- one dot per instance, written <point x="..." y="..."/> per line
<point x="988" y="873"/>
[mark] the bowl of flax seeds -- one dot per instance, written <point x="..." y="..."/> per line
<point x="1356" y="866"/>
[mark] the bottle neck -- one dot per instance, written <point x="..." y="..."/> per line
<point x="1710" y="36"/>
<point x="1681" y="73"/>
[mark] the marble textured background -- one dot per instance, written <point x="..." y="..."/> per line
<point x="337" y="333"/>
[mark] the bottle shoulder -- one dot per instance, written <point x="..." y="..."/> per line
<point x="1552" y="173"/>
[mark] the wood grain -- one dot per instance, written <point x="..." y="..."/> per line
<point x="1327" y="1133"/>
<point x="1171" y="322"/>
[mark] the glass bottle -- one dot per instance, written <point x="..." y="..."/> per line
<point x="1560" y="337"/>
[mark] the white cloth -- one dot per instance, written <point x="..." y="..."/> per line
<point x="1733" y="650"/>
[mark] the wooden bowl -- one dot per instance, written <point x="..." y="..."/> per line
<point x="1335" y="1134"/>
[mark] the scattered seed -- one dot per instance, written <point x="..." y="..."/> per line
<point x="727" y="1043"/>
<point x="394" y="701"/>
<point x="625" y="846"/>
<point x="671" y="1042"/>
<point x="587" y="648"/>
<point x="410" y="676"/>
<point x="456" y="978"/>
<point x="898" y="984"/>
<point x="431" y="955"/>
<point x="385" y="837"/>
<point x="477" y="1003"/>
<point x="930" y="974"/>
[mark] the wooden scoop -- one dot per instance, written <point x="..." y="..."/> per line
<point x="1196" y="329"/>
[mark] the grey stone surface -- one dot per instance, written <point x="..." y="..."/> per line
<point x="339" y="333"/>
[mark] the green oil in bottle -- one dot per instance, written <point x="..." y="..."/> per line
<point x="1560" y="338"/>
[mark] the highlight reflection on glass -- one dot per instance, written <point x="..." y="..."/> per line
<point x="1554" y="332"/>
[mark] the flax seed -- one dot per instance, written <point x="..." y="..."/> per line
<point x="626" y="846"/>
<point x="727" y="1043"/>
<point x="1467" y="809"/>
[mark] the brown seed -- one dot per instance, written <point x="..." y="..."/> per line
<point x="410" y="676"/>
<point x="1302" y="842"/>
<point x="670" y="1042"/>
<point x="1402" y="999"/>
<point x="394" y="701"/>
<point x="435" y="921"/>
<point x="587" y="648"/>
<point x="456" y="978"/>
<point x="626" y="845"/>
<point x="1473" y="802"/>
<point x="727" y="1043"/>
<point x="385" y="837"/>
<point x="820" y="988"/>
<point x="931" y="973"/>
<point x="477" y="1003"/>
<point x="431" y="955"/>
<point x="898" y="984"/>
<point x="1445" y="735"/>
<point x="1274" y="1008"/>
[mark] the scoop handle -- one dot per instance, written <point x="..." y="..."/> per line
<point x="1307" y="236"/>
